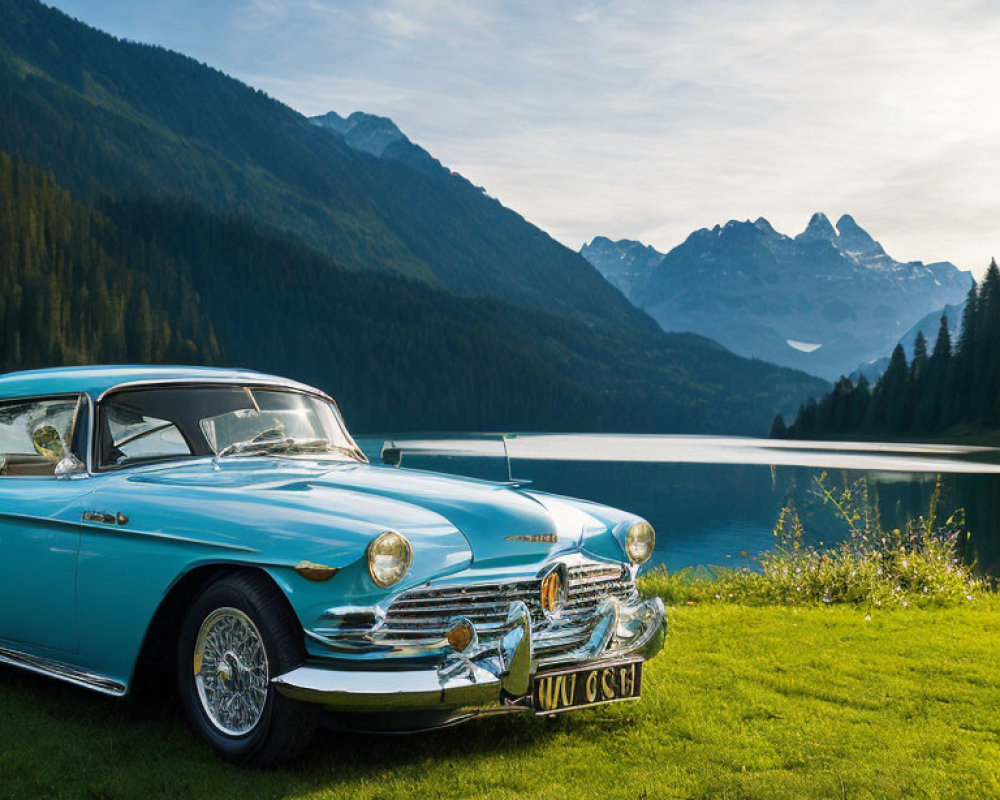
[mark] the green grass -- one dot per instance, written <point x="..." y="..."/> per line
<point x="743" y="702"/>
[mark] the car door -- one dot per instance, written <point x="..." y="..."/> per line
<point x="39" y="520"/>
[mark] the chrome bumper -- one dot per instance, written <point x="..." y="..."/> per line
<point x="479" y="680"/>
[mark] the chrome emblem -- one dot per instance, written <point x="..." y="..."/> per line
<point x="543" y="538"/>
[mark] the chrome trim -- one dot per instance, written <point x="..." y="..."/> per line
<point x="483" y="679"/>
<point x="372" y="690"/>
<point x="61" y="671"/>
<point x="603" y="616"/>
<point x="262" y="380"/>
<point x="128" y="532"/>
<point x="416" y="621"/>
<point x="540" y="538"/>
<point x="462" y="685"/>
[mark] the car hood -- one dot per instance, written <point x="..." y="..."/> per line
<point x="328" y="511"/>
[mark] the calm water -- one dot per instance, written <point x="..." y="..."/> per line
<point x="712" y="499"/>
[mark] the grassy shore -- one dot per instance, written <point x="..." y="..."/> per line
<point x="744" y="702"/>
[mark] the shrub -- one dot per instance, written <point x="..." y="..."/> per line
<point x="918" y="564"/>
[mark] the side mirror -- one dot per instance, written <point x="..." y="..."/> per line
<point x="69" y="465"/>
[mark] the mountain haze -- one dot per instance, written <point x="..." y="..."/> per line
<point x="822" y="301"/>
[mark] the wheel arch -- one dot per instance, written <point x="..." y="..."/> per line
<point x="156" y="657"/>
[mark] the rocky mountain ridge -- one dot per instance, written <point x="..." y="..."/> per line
<point x="822" y="301"/>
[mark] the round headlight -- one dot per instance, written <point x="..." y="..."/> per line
<point x="389" y="558"/>
<point x="640" y="541"/>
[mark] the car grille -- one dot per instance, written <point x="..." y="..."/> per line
<point x="421" y="617"/>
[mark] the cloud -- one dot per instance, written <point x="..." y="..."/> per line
<point x="649" y="119"/>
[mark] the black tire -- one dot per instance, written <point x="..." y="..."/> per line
<point x="284" y="727"/>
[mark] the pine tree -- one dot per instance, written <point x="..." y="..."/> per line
<point x="919" y="363"/>
<point x="778" y="428"/>
<point x="985" y="370"/>
<point x="890" y="400"/>
<point x="929" y="411"/>
<point x="957" y="402"/>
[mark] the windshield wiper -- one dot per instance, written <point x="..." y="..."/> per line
<point x="284" y="445"/>
<point x="255" y="445"/>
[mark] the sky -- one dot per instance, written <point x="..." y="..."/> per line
<point x="651" y="118"/>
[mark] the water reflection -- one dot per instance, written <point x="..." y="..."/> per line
<point x="714" y="500"/>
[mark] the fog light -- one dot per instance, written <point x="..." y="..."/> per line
<point x="461" y="635"/>
<point x="554" y="591"/>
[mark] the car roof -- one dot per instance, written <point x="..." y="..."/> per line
<point x="96" y="380"/>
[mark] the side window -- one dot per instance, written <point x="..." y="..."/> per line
<point x="35" y="434"/>
<point x="136" y="436"/>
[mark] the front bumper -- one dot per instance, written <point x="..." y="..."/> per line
<point x="479" y="680"/>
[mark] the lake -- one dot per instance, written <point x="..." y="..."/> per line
<point x="715" y="500"/>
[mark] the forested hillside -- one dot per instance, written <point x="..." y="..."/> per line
<point x="69" y="290"/>
<point x="399" y="353"/>
<point x="952" y="387"/>
<point x="115" y="117"/>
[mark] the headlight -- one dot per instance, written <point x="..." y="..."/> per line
<point x="389" y="558"/>
<point x="639" y="543"/>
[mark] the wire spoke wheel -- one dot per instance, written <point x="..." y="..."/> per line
<point x="231" y="671"/>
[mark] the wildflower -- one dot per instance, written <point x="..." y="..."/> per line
<point x="868" y="617"/>
<point x="826" y="599"/>
<point x="968" y="597"/>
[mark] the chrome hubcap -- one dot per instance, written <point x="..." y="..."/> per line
<point x="230" y="671"/>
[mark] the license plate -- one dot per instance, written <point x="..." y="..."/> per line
<point x="580" y="687"/>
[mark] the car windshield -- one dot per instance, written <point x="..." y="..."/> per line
<point x="143" y="425"/>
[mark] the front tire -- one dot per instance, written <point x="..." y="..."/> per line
<point x="238" y="634"/>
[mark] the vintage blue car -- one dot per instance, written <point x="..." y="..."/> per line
<point x="222" y="528"/>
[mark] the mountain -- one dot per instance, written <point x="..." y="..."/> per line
<point x="113" y="117"/>
<point x="625" y="263"/>
<point x="340" y="254"/>
<point x="823" y="301"/>
<point x="380" y="137"/>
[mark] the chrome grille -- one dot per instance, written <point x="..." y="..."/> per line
<point x="422" y="616"/>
